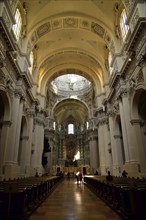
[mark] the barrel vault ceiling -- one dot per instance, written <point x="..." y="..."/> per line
<point x="70" y="34"/>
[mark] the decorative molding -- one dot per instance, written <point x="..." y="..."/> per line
<point x="18" y="93"/>
<point x="102" y="121"/>
<point x="6" y="123"/>
<point x="140" y="77"/>
<point x="39" y="121"/>
<point x="110" y="113"/>
<point x="114" y="79"/>
<point x="56" y="24"/>
<point x="43" y="29"/>
<point x="70" y="22"/>
<point x="31" y="112"/>
<point x="123" y="92"/>
<point x="136" y="121"/>
<point x="97" y="29"/>
<point x="24" y="138"/>
<point x="85" y="24"/>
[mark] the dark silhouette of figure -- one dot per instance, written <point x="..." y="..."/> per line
<point x="36" y="174"/>
<point x="109" y="177"/>
<point x="124" y="173"/>
<point x="77" y="176"/>
<point x="80" y="177"/>
<point x="68" y="175"/>
<point x="96" y="173"/>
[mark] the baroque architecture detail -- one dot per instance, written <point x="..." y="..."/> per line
<point x="72" y="87"/>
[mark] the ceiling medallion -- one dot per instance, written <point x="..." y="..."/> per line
<point x="70" y="22"/>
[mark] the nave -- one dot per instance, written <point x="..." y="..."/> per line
<point x="72" y="201"/>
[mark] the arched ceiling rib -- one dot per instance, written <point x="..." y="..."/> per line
<point x="56" y="26"/>
<point x="62" y="69"/>
<point x="70" y="35"/>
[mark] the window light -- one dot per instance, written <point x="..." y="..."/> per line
<point x="18" y="25"/>
<point x="70" y="129"/>
<point x="123" y="24"/>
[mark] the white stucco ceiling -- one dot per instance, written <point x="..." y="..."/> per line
<point x="70" y="34"/>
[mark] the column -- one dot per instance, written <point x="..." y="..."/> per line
<point x="130" y="140"/>
<point x="101" y="143"/>
<point x="40" y="147"/>
<point x="11" y="167"/>
<point x="3" y="143"/>
<point x="107" y="143"/>
<point x="120" y="153"/>
<point x="30" y="113"/>
<point x="23" y="156"/>
<point x="141" y="146"/>
<point x="38" y="144"/>
<point x="34" y="147"/>
<point x="124" y="133"/>
<point x="50" y="154"/>
<point x="94" y="152"/>
<point x="17" y="135"/>
<point x="116" y="147"/>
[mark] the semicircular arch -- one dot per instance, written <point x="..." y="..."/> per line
<point x="62" y="69"/>
<point x="49" y="25"/>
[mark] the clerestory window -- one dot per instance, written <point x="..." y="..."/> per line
<point x="31" y="59"/>
<point x="18" y="24"/>
<point x="123" y="24"/>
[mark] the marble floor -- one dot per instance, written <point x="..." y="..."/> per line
<point x="72" y="201"/>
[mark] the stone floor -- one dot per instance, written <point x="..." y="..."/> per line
<point x="72" y="201"/>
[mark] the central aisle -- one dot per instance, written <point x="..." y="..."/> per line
<point x="72" y="201"/>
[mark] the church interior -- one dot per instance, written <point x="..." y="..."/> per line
<point x="72" y="88"/>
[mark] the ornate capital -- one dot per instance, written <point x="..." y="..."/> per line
<point x="116" y="107"/>
<point x="110" y="113"/>
<point x="140" y="77"/>
<point x="102" y="121"/>
<point x="18" y="93"/>
<point x="39" y="121"/>
<point x="122" y="93"/>
<point x="30" y="112"/>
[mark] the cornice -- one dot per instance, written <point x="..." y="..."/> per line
<point x="27" y="79"/>
<point x="14" y="63"/>
<point x="141" y="24"/>
<point x="29" y="92"/>
<point x="114" y="79"/>
<point x="110" y="95"/>
<point x="6" y="35"/>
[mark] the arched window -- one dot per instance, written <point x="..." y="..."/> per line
<point x="54" y="125"/>
<point x="123" y="24"/>
<point x="87" y="125"/>
<point x="109" y="62"/>
<point x="31" y="59"/>
<point x="18" y="24"/>
<point x="70" y="128"/>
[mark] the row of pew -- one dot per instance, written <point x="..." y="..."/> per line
<point x="20" y="197"/>
<point x="127" y="196"/>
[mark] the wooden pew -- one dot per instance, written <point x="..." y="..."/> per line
<point x="19" y="198"/>
<point x="127" y="196"/>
